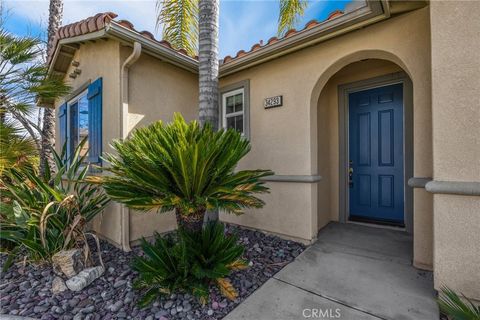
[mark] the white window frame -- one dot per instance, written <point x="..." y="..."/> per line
<point x="232" y="89"/>
<point x="226" y="95"/>
<point x="70" y="102"/>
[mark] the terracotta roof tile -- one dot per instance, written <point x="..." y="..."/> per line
<point x="272" y="40"/>
<point x="335" y="14"/>
<point x="290" y="32"/>
<point x="147" y="34"/>
<point x="127" y="24"/>
<point x="98" y="22"/>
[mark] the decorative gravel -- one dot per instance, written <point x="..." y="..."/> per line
<point x="26" y="290"/>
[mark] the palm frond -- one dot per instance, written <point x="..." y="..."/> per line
<point x="17" y="150"/>
<point x="179" y="22"/>
<point x="456" y="308"/>
<point x="182" y="165"/>
<point x="290" y="10"/>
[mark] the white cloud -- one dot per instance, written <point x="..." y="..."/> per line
<point x="140" y="12"/>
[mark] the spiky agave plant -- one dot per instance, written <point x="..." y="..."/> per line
<point x="43" y="215"/>
<point x="457" y="309"/>
<point x="183" y="167"/>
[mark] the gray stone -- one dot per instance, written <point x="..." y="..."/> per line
<point x="25" y="285"/>
<point x="187" y="307"/>
<point x="68" y="262"/>
<point x="119" y="283"/>
<point x="160" y="314"/>
<point x="58" y="285"/>
<point x="56" y="309"/>
<point x="78" y="316"/>
<point x="106" y="295"/>
<point x="84" y="278"/>
<point x="88" y="310"/>
<point x="40" y="309"/>
<point x="73" y="302"/>
<point x="116" y="306"/>
<point x="168" y="304"/>
<point x="210" y="312"/>
<point x="149" y="318"/>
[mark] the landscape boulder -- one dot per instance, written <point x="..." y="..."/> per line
<point x="68" y="262"/>
<point x="84" y="278"/>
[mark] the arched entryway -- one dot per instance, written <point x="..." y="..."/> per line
<point x="374" y="191"/>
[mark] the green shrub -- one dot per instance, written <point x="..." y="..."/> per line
<point x="42" y="216"/>
<point x="455" y="308"/>
<point x="189" y="263"/>
<point x="183" y="167"/>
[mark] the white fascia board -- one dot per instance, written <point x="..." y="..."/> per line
<point x="152" y="47"/>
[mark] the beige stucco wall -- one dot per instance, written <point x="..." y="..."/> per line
<point x="456" y="142"/>
<point x="156" y="90"/>
<point x="285" y="139"/>
<point x="102" y="59"/>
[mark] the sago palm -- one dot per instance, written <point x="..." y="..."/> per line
<point x="184" y="167"/>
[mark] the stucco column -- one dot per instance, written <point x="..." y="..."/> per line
<point x="455" y="45"/>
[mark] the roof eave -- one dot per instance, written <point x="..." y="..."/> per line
<point x="70" y="41"/>
<point x="115" y="31"/>
<point x="372" y="12"/>
<point x="152" y="47"/>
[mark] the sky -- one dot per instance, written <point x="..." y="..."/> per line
<point x="242" y="23"/>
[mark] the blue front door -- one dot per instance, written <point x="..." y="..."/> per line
<point x="376" y="183"/>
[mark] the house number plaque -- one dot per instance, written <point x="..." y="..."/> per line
<point x="273" y="102"/>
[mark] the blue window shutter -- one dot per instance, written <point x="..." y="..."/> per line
<point x="62" y="124"/>
<point x="94" y="96"/>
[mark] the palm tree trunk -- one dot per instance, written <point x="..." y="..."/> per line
<point x="208" y="61"/>
<point x="192" y="222"/>
<point x="48" y="131"/>
<point x="55" y="15"/>
<point x="208" y="13"/>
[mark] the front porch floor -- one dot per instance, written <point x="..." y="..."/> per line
<point x="351" y="272"/>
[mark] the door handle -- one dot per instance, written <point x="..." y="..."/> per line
<point x="350" y="174"/>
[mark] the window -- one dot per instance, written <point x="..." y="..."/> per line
<point x="235" y="109"/>
<point x="81" y="118"/>
<point x="78" y="128"/>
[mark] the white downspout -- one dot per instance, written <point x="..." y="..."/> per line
<point x="125" y="212"/>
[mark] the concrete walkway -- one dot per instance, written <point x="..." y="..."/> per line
<point x="352" y="272"/>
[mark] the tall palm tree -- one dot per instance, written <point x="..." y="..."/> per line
<point x="22" y="81"/>
<point x="55" y="15"/>
<point x="184" y="22"/>
<point x="179" y="20"/>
